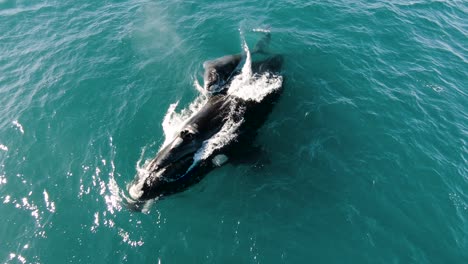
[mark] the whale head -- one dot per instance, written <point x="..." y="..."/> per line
<point x="170" y="165"/>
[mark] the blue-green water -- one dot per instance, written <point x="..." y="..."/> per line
<point x="368" y="144"/>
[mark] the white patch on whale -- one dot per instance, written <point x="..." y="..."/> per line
<point x="219" y="160"/>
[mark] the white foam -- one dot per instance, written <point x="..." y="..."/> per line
<point x="135" y="189"/>
<point x="49" y="205"/>
<point x="174" y="121"/>
<point x="170" y="122"/>
<point x="224" y="136"/>
<point x="18" y="126"/>
<point x="254" y="87"/>
<point x="114" y="199"/>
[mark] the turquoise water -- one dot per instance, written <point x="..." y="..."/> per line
<point x="368" y="145"/>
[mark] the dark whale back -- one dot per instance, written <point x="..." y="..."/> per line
<point x="218" y="72"/>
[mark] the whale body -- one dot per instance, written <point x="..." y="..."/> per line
<point x="223" y="129"/>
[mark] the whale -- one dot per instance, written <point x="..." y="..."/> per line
<point x="222" y="130"/>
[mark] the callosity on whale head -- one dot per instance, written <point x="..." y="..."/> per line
<point x="171" y="163"/>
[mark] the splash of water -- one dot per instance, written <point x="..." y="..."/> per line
<point x="254" y="87"/>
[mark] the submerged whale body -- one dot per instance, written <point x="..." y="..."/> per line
<point x="221" y="130"/>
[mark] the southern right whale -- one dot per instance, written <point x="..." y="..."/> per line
<point x="238" y="102"/>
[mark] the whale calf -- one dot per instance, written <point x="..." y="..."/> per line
<point x="240" y="94"/>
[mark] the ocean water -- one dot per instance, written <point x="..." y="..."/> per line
<point x="367" y="147"/>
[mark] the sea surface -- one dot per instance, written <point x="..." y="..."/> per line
<point x="367" y="148"/>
